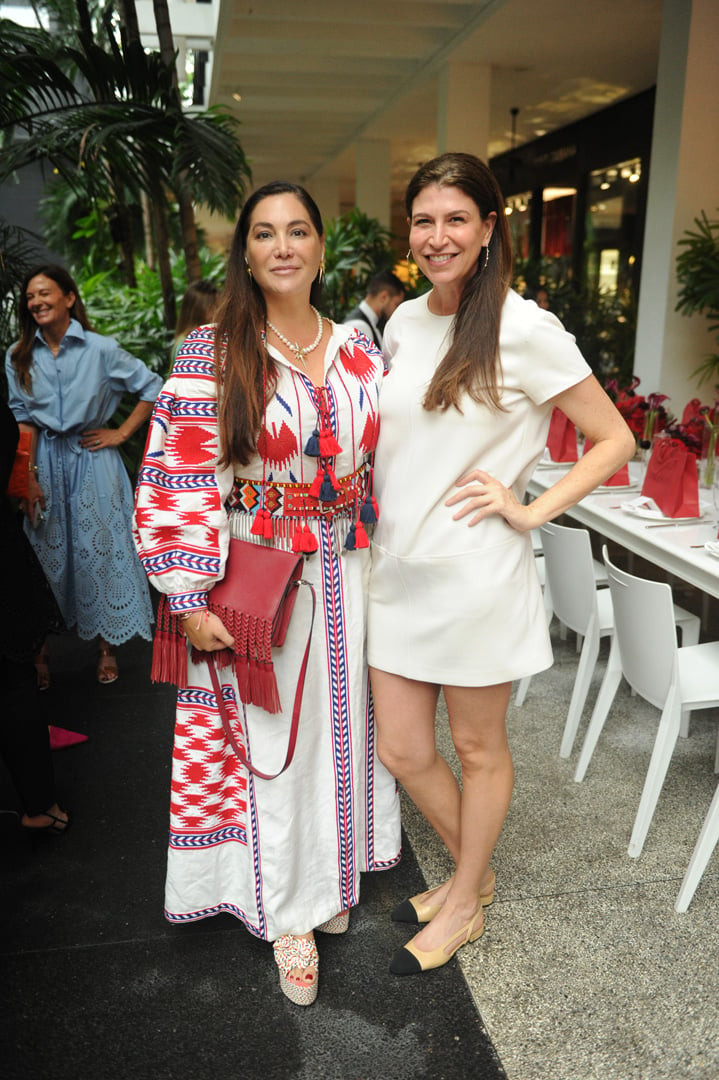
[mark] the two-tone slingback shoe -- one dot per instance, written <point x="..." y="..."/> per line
<point x="409" y="960"/>
<point x="422" y="908"/>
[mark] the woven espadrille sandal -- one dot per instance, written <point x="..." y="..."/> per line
<point x="292" y="953"/>
<point x="338" y="924"/>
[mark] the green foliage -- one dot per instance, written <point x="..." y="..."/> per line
<point x="110" y="122"/>
<point x="697" y="269"/>
<point x="135" y="318"/>
<point x="356" y="248"/>
<point x="18" y="252"/>
<point x="603" y="323"/>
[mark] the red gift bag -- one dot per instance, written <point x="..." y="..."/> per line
<point x="618" y="479"/>
<point x="671" y="479"/>
<point x="562" y="438"/>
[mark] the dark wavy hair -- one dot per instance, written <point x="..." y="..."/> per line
<point x="241" y="358"/>
<point x="471" y="365"/>
<point x="21" y="355"/>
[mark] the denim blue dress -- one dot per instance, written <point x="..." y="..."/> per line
<point x="85" y="543"/>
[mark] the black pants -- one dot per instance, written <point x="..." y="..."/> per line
<point x="24" y="738"/>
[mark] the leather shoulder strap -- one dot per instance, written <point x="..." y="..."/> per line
<point x="295" y="721"/>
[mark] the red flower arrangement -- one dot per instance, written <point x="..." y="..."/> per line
<point x="645" y="416"/>
<point x="691" y="429"/>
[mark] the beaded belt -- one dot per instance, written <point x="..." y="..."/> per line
<point x="295" y="500"/>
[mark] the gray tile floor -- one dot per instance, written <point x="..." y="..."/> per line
<point x="585" y="970"/>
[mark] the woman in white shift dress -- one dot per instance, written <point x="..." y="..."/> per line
<point x="454" y="601"/>
<point x="298" y="403"/>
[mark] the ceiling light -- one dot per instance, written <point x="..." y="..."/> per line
<point x="605" y="185"/>
<point x="237" y="97"/>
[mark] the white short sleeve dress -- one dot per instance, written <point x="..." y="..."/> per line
<point x="451" y="604"/>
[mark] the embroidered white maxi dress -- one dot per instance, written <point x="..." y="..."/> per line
<point x="282" y="855"/>
<point x="448" y="603"/>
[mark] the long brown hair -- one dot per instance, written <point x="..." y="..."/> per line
<point x="240" y="354"/>
<point x="197" y="307"/>
<point x="21" y="355"/>
<point x="471" y="365"/>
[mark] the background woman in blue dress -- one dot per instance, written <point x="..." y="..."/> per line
<point x="65" y="383"/>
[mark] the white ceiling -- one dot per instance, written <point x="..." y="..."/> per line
<point x="315" y="75"/>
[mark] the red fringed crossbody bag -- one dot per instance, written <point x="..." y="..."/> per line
<point x="254" y="600"/>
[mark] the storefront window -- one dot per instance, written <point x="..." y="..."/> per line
<point x="518" y="212"/>
<point x="612" y="233"/>
<point x="557" y="227"/>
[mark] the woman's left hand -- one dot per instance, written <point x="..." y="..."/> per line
<point x="482" y="496"/>
<point x="101" y="438"/>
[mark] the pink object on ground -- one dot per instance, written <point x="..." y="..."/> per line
<point x="61" y="738"/>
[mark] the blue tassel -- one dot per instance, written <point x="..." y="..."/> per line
<point x="327" y="492"/>
<point x="350" y="543"/>
<point x="312" y="449"/>
<point x="368" y="511"/>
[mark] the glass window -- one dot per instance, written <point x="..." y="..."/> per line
<point x="612" y="226"/>
<point x="517" y="211"/>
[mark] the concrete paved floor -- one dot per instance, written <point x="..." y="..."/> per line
<point x="585" y="970"/>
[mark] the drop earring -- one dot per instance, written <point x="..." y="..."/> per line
<point x="248" y="268"/>
<point x="486" y="256"/>
<point x="322" y="270"/>
<point x="410" y="256"/>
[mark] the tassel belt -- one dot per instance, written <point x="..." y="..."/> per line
<point x="296" y="500"/>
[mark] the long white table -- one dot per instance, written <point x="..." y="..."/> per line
<point x="678" y="549"/>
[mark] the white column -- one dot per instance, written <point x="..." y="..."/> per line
<point x="682" y="182"/>
<point x="372" y="170"/>
<point x="463" y="108"/>
<point x="325" y="191"/>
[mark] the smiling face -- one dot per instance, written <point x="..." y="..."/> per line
<point x="283" y="248"/>
<point x="446" y="236"/>
<point x="49" y="305"/>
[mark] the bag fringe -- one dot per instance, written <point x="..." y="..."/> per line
<point x="169" y="649"/>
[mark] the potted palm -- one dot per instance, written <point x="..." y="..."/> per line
<point x="698" y="276"/>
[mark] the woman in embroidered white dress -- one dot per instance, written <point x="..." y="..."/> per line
<point x="454" y="600"/>
<point x="282" y="855"/>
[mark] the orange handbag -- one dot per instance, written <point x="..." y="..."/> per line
<point x="18" y="484"/>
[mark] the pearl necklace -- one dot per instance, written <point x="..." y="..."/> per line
<point x="294" y="346"/>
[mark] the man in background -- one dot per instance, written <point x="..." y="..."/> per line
<point x="385" y="293"/>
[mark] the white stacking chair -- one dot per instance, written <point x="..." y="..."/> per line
<point x="675" y="680"/>
<point x="587" y="610"/>
<point x="702" y="853"/>
<point x="600" y="577"/>
<point x="547" y="595"/>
